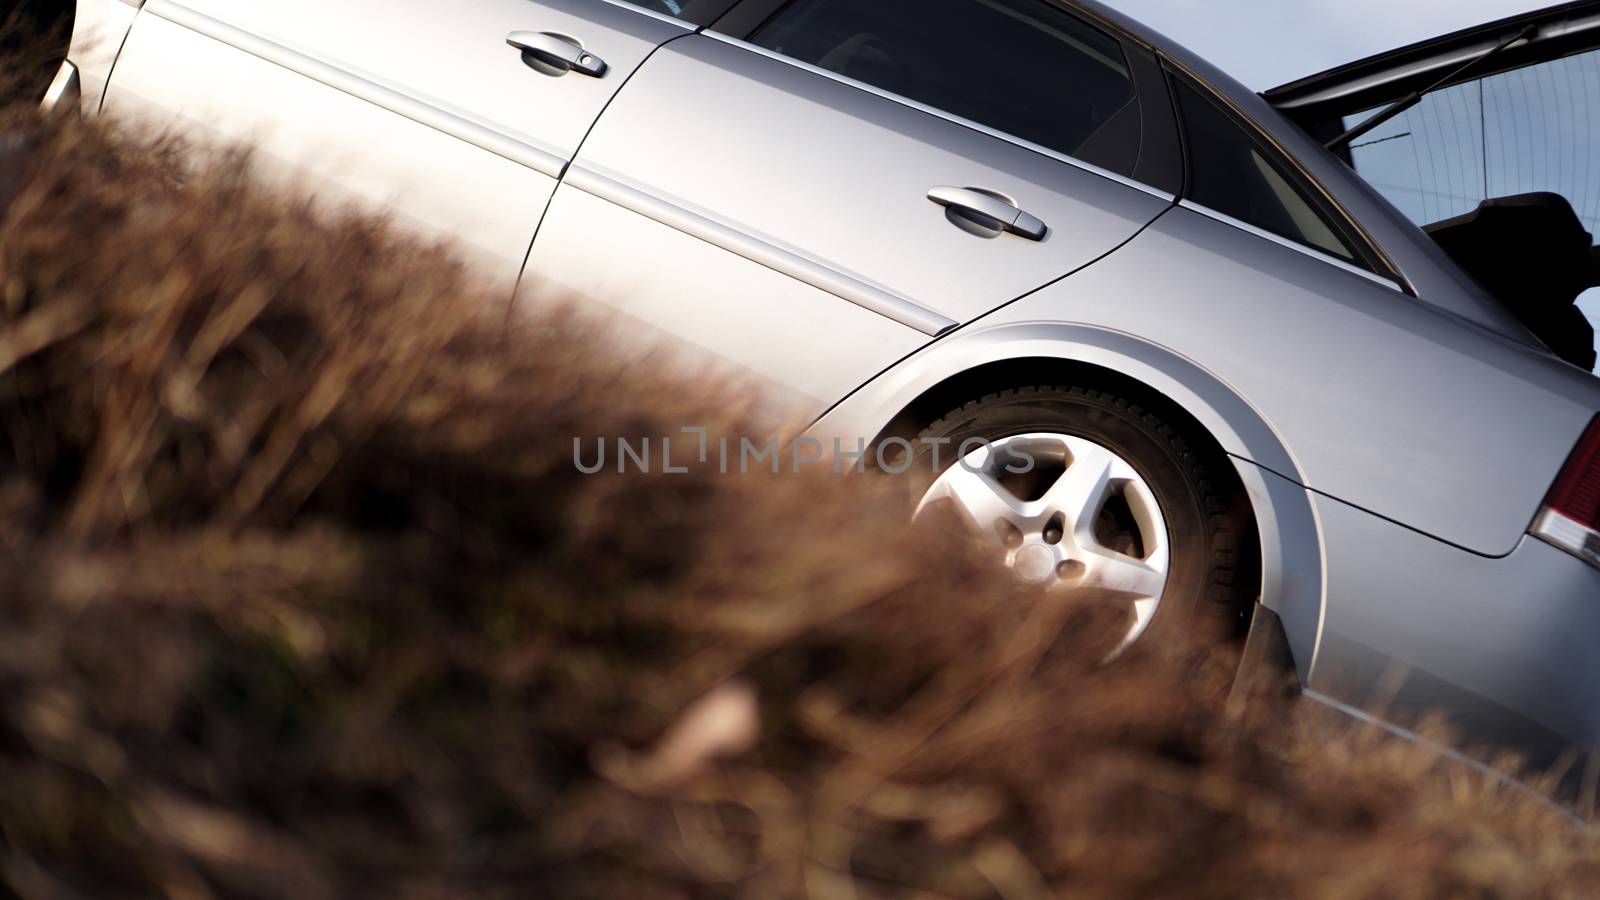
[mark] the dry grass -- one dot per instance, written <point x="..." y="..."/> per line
<point x="304" y="598"/>
<point x="34" y="35"/>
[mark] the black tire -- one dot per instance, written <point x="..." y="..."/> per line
<point x="1213" y="582"/>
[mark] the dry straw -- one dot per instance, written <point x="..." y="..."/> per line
<point x="303" y="597"/>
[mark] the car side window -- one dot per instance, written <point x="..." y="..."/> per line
<point x="1232" y="173"/>
<point x="1023" y="67"/>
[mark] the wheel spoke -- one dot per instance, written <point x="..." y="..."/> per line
<point x="1052" y="540"/>
<point x="981" y="499"/>
<point x="1144" y="612"/>
<point x="1081" y="490"/>
<point x="1113" y="571"/>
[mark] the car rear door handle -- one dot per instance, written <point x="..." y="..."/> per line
<point x="558" y="50"/>
<point x="990" y="206"/>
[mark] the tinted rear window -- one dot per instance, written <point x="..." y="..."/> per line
<point x="1023" y="67"/>
<point x="1232" y="173"/>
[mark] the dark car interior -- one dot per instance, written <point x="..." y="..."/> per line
<point x="1532" y="252"/>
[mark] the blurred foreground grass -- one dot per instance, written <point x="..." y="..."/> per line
<point x="303" y="597"/>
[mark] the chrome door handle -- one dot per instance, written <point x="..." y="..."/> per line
<point x="990" y="206"/>
<point x="558" y="50"/>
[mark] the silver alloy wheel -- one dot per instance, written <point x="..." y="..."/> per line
<point x="1057" y="539"/>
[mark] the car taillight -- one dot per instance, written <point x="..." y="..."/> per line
<point x="1571" y="516"/>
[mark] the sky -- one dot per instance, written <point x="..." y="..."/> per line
<point x="1265" y="43"/>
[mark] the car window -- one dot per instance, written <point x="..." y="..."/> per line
<point x="1232" y="173"/>
<point x="1023" y="67"/>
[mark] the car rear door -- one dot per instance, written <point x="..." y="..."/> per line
<point x="458" y="117"/>
<point x="813" y="190"/>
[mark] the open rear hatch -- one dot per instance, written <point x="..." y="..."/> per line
<point x="1488" y="138"/>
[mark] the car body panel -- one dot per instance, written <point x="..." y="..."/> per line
<point x="458" y="60"/>
<point x="317" y="137"/>
<point x="767" y="175"/>
<point x="344" y="109"/>
<point x="789" y="153"/>
<point x="1336" y="595"/>
<point x="746" y="319"/>
<point x="1277" y="324"/>
<point x="1504" y="647"/>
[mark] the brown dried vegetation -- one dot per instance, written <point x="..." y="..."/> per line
<point x="303" y="597"/>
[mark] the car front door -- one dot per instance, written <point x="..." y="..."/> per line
<point x="458" y="117"/>
<point x="817" y="192"/>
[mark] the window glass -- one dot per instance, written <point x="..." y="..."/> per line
<point x="1524" y="131"/>
<point x="1230" y="172"/>
<point x="1023" y="67"/>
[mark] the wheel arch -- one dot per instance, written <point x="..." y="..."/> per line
<point x="972" y="364"/>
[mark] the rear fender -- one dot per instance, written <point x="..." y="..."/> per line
<point x="1291" y="556"/>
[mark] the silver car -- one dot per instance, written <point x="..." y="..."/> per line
<point x="1250" y="389"/>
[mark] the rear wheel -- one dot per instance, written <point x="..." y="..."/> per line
<point x="1083" y="490"/>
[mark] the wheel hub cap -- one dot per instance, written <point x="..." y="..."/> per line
<point x="1035" y="563"/>
<point x="1066" y="512"/>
